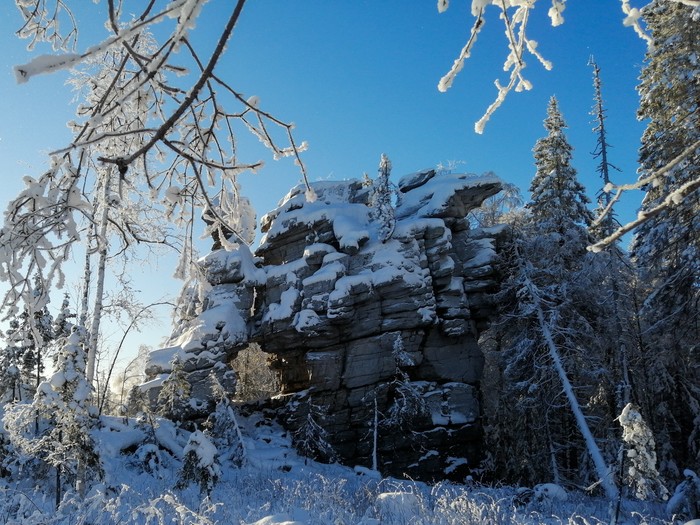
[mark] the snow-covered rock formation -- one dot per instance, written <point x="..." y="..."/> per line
<point x="370" y="339"/>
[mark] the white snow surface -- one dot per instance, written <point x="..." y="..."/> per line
<point x="350" y="220"/>
<point x="432" y="198"/>
<point x="273" y="487"/>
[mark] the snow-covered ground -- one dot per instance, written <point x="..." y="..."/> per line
<point x="277" y="487"/>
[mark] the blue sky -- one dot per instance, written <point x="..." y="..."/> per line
<point x="358" y="78"/>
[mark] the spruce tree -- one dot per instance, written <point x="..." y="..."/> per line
<point x="382" y="200"/>
<point x="666" y="247"/>
<point x="558" y="200"/>
<point x="64" y="404"/>
<point x="550" y="355"/>
<point x="607" y="224"/>
<point x="174" y="396"/>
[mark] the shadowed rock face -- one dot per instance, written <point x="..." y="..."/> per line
<point x="366" y="336"/>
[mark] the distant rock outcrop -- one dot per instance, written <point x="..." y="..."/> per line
<point x="370" y="339"/>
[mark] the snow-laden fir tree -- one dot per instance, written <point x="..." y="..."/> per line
<point x="200" y="464"/>
<point x="28" y="339"/>
<point x="310" y="438"/>
<point x="640" y="472"/>
<point x="11" y="386"/>
<point x="65" y="414"/>
<point x="666" y="248"/>
<point x="558" y="201"/>
<point x="174" y="395"/>
<point x="382" y="196"/>
<point x="546" y="331"/>
<point x="222" y="426"/>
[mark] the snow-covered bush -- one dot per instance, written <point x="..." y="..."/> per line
<point x="200" y="464"/>
<point x="640" y="473"/>
<point x="685" y="502"/>
<point x="222" y="427"/>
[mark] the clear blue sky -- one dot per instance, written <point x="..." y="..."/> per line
<point x="359" y="79"/>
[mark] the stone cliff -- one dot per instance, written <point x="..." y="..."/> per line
<point x="374" y="343"/>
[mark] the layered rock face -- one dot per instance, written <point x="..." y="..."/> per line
<point x="375" y="343"/>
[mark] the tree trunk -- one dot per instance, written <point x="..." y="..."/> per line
<point x="602" y="469"/>
<point x="604" y="473"/>
<point x="99" y="290"/>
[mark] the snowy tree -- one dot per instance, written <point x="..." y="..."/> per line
<point x="605" y="223"/>
<point x="28" y="338"/>
<point x="310" y="438"/>
<point x="174" y="395"/>
<point x="546" y="331"/>
<point x="254" y="378"/>
<point x="407" y="404"/>
<point x="66" y="419"/>
<point x="666" y="247"/>
<point x="156" y="134"/>
<point x="382" y="196"/>
<point x="200" y="464"/>
<point x="11" y="386"/>
<point x="613" y="272"/>
<point x="558" y="200"/>
<point x="640" y="472"/>
<point x="222" y="426"/>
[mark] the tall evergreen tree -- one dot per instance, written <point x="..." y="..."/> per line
<point x="553" y="370"/>
<point x="558" y="200"/>
<point x="606" y="225"/>
<point x="666" y="247"/>
<point x="382" y="200"/>
<point x="551" y="358"/>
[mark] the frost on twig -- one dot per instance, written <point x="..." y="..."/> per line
<point x="672" y="199"/>
<point x="44" y="21"/>
<point x="518" y="42"/>
<point x="632" y="16"/>
<point x="155" y="119"/>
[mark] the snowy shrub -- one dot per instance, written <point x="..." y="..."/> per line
<point x="200" y="463"/>
<point x="148" y="457"/>
<point x="222" y="426"/>
<point x="640" y="472"/>
<point x="685" y="502"/>
<point x="174" y="395"/>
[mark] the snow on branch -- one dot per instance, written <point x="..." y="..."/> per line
<point x="518" y="43"/>
<point x="632" y="17"/>
<point x="672" y="199"/>
<point x="157" y="129"/>
<point x="42" y="23"/>
<point x="51" y="63"/>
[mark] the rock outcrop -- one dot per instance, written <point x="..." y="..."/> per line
<point x="369" y="338"/>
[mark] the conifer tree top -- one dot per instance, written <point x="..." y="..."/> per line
<point x="558" y="199"/>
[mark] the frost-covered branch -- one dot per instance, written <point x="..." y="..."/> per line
<point x="672" y="199"/>
<point x="632" y="19"/>
<point x="42" y="23"/>
<point x="515" y="31"/>
<point x="171" y="144"/>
